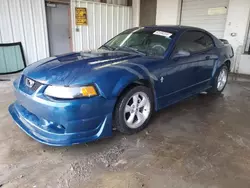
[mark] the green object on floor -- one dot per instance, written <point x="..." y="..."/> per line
<point x="11" y="58"/>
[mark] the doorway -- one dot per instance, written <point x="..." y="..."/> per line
<point x="247" y="46"/>
<point x="148" y="12"/>
<point x="58" y="21"/>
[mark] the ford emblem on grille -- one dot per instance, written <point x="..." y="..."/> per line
<point x="29" y="83"/>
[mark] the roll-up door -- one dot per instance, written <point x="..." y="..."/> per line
<point x="207" y="14"/>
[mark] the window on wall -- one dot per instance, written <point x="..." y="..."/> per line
<point x="116" y="2"/>
<point x="194" y="41"/>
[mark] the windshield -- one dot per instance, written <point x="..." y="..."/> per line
<point x="141" y="41"/>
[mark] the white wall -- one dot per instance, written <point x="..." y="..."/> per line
<point x="244" y="64"/>
<point x="25" y="21"/>
<point x="167" y="12"/>
<point x="237" y="22"/>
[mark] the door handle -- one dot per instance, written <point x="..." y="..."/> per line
<point x="207" y="57"/>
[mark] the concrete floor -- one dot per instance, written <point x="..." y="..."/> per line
<point x="201" y="142"/>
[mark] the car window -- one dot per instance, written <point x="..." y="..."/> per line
<point x="208" y="41"/>
<point x="150" y="42"/>
<point x="194" y="41"/>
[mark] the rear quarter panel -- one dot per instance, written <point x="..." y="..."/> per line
<point x="225" y="53"/>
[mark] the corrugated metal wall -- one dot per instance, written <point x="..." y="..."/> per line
<point x="104" y="22"/>
<point x="25" y="21"/>
<point x="195" y="13"/>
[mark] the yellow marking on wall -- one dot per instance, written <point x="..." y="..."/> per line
<point x="81" y="16"/>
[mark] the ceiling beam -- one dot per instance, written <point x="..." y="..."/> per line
<point x="67" y="2"/>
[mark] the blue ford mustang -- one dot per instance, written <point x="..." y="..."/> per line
<point x="81" y="97"/>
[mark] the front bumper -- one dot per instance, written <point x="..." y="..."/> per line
<point x="62" y="123"/>
<point x="33" y="127"/>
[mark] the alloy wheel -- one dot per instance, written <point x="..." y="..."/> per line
<point x="137" y="110"/>
<point x="222" y="79"/>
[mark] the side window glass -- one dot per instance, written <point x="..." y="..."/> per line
<point x="157" y="45"/>
<point x="194" y="41"/>
<point x="208" y="41"/>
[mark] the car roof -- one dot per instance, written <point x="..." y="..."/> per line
<point x="172" y="27"/>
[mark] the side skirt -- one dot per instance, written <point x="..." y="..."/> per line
<point x="171" y="102"/>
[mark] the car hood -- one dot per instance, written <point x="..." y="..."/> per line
<point x="68" y="69"/>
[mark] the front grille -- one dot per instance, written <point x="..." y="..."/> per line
<point x="36" y="86"/>
<point x="29" y="90"/>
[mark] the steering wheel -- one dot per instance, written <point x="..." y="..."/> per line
<point x="158" y="46"/>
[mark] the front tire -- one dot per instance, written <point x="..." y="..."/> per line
<point x="133" y="110"/>
<point x="220" y="81"/>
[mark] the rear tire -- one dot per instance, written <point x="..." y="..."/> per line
<point x="133" y="110"/>
<point x="220" y="81"/>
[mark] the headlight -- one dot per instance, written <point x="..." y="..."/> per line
<point x="70" y="92"/>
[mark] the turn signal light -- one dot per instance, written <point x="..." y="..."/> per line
<point x="88" y="91"/>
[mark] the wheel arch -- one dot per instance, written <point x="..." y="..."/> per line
<point x="139" y="82"/>
<point x="228" y="64"/>
<point x="219" y="63"/>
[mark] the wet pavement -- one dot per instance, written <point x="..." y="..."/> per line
<point x="201" y="142"/>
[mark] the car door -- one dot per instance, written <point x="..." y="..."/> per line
<point x="209" y="57"/>
<point x="202" y="57"/>
<point x="178" y="78"/>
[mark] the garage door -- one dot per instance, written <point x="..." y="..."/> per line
<point x="207" y="14"/>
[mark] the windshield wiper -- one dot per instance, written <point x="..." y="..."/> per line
<point x="127" y="48"/>
<point x="108" y="47"/>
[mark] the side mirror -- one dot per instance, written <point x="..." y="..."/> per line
<point x="181" y="53"/>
